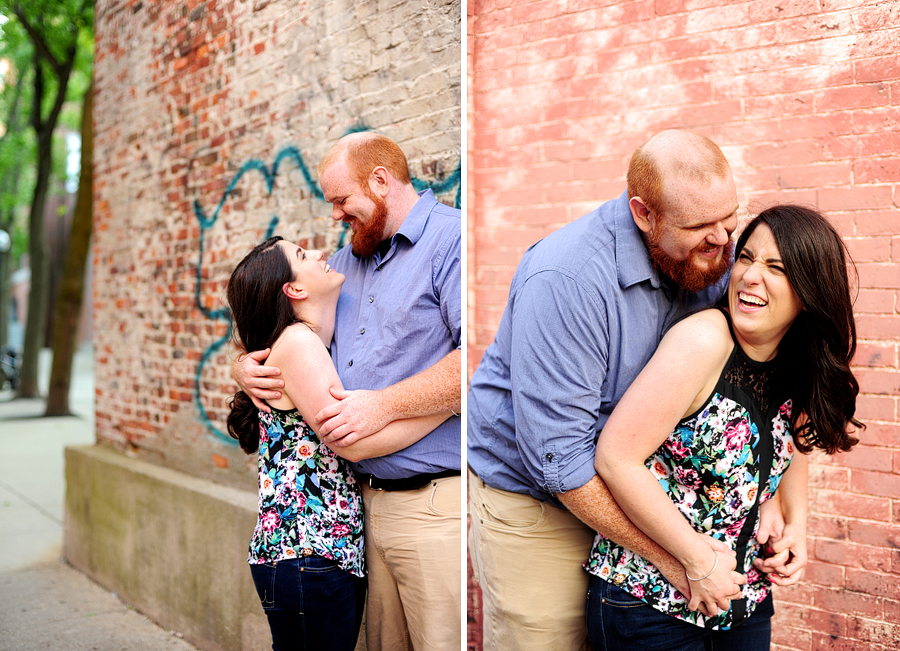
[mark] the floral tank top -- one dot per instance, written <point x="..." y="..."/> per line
<point x="309" y="501"/>
<point x="717" y="466"/>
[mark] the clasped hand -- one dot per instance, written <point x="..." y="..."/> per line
<point x="713" y="592"/>
<point x="782" y="553"/>
<point x="357" y="414"/>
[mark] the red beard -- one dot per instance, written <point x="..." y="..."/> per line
<point x="685" y="273"/>
<point x="365" y="239"/>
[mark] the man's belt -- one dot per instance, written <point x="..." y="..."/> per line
<point x="407" y="483"/>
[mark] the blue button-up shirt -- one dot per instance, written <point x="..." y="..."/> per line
<point x="398" y="315"/>
<point x="586" y="311"/>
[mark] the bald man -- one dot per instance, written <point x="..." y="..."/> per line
<point x="397" y="347"/>
<point x="587" y="308"/>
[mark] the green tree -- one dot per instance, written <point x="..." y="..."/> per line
<point x="55" y="29"/>
<point x="16" y="147"/>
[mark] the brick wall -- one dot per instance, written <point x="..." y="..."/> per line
<point x="210" y="120"/>
<point x="803" y="96"/>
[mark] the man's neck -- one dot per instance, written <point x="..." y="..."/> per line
<point x="400" y="206"/>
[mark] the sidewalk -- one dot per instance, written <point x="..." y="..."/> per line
<point x="44" y="603"/>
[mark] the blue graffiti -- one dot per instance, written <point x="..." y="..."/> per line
<point x="290" y="154"/>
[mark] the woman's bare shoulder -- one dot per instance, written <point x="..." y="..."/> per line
<point x="703" y="333"/>
<point x="296" y="340"/>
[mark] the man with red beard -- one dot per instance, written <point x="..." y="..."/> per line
<point x="587" y="308"/>
<point x="397" y="349"/>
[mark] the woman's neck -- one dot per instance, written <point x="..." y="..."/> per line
<point x="319" y="317"/>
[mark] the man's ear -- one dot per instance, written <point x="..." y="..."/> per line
<point x="641" y="214"/>
<point x="379" y="182"/>
<point x="294" y="293"/>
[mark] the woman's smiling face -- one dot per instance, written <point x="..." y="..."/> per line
<point x="311" y="272"/>
<point x="762" y="302"/>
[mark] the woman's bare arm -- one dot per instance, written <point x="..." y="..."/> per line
<point x="309" y="375"/>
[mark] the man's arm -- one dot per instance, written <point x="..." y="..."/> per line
<point x="397" y="435"/>
<point x="594" y="505"/>
<point x="360" y="413"/>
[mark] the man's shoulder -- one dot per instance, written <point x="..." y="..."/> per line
<point x="444" y="210"/>
<point x="444" y="220"/>
<point x="440" y="237"/>
<point x="586" y="245"/>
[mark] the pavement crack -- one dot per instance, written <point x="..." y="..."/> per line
<point x="37" y="507"/>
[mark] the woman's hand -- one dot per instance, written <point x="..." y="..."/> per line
<point x="254" y="380"/>
<point x="712" y="594"/>
<point x="771" y="520"/>
<point x="786" y="556"/>
<point x="715" y="584"/>
<point x="674" y="572"/>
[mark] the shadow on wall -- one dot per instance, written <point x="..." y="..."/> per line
<point x="289" y="154"/>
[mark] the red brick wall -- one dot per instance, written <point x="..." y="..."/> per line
<point x="803" y="96"/>
<point x="211" y="117"/>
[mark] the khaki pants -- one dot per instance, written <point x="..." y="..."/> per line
<point x="414" y="567"/>
<point x="527" y="557"/>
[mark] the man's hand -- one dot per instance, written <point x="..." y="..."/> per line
<point x="254" y="380"/>
<point x="357" y="414"/>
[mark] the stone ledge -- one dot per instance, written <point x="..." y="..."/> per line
<point x="169" y="544"/>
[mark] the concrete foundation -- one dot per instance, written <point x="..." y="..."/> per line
<point x="171" y="545"/>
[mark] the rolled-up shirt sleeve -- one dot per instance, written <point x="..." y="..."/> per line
<point x="447" y="283"/>
<point x="558" y="365"/>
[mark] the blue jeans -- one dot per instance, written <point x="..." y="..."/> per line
<point x="617" y="621"/>
<point x="311" y="603"/>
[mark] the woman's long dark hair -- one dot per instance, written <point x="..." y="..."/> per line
<point x="815" y="353"/>
<point x="260" y="311"/>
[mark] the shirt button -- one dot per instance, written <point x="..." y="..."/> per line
<point x="362" y="331"/>
<point x="371" y="299"/>
<point x="350" y="363"/>
<point x="549" y="456"/>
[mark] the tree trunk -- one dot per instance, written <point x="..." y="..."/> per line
<point x="9" y="186"/>
<point x="71" y="290"/>
<point x="36" y="325"/>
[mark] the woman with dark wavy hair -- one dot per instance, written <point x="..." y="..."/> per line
<point x="707" y="432"/>
<point x="306" y="554"/>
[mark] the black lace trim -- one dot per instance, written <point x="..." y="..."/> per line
<point x="758" y="380"/>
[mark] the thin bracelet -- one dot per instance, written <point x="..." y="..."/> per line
<point x="705" y="576"/>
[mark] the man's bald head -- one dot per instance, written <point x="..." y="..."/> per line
<point x="671" y="156"/>
<point x="363" y="152"/>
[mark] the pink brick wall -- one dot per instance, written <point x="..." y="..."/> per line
<point x="210" y="119"/>
<point x="804" y="98"/>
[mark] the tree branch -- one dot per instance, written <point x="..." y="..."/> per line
<point x="39" y="43"/>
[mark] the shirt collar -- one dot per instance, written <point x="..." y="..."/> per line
<point x="633" y="264"/>
<point x="414" y="223"/>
